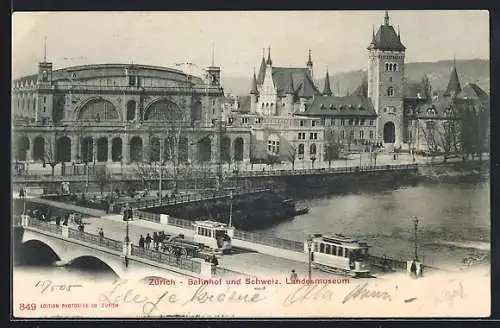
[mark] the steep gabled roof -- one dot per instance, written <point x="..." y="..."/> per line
<point x="281" y="79"/>
<point x="454" y="86"/>
<point x="473" y="91"/>
<point x="341" y="106"/>
<point x="308" y="89"/>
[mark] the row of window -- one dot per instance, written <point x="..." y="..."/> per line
<point x="331" y="249"/>
<point x="302" y="123"/>
<point x="312" y="136"/>
<point x="332" y="107"/>
<point x="351" y="122"/>
<point x="312" y="151"/>
<point x="204" y="232"/>
<point x="391" y="67"/>
<point x="361" y="134"/>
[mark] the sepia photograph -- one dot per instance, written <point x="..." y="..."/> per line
<point x="258" y="164"/>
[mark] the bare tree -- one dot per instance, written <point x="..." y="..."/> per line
<point x="50" y="156"/>
<point x="331" y="147"/>
<point x="292" y="154"/>
<point x="177" y="121"/>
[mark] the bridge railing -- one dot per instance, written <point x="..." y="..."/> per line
<point x="96" y="240"/>
<point x="153" y="217"/>
<point x="269" y="240"/>
<point x="186" y="224"/>
<point x="45" y="226"/>
<point x="156" y="256"/>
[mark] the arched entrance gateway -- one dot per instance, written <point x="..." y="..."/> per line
<point x="389" y="132"/>
<point x="102" y="149"/>
<point x="39" y="149"/>
<point x="116" y="149"/>
<point x="63" y="150"/>
<point x="23" y="146"/>
<point x="238" y="149"/>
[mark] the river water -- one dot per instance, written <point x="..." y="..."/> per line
<point x="448" y="213"/>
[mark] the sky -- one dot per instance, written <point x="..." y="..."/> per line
<point x="337" y="39"/>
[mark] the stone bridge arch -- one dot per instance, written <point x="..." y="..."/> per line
<point x="67" y="254"/>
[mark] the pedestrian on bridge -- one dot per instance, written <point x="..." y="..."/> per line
<point x="148" y="241"/>
<point x="101" y="233"/>
<point x="141" y="241"/>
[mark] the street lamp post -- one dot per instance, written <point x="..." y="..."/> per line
<point x="309" y="244"/>
<point x="415" y="221"/>
<point x="127" y="237"/>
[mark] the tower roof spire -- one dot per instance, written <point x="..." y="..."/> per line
<point x="269" y="61"/>
<point x="327" y="91"/>
<point x="45" y="50"/>
<point x="253" y="90"/>
<point x="386" y="18"/>
<point x="262" y="69"/>
<point x="309" y="61"/>
<point x="454" y="86"/>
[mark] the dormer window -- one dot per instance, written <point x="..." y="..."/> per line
<point x="360" y="107"/>
<point x="431" y="111"/>
<point x="351" y="106"/>
<point x="341" y="107"/>
<point x="321" y="106"/>
<point x="332" y="107"/>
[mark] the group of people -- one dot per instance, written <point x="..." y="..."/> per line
<point x="157" y="239"/>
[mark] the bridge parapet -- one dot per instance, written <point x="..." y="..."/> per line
<point x="168" y="259"/>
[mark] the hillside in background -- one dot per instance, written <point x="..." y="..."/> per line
<point x="469" y="71"/>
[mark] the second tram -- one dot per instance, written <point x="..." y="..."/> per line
<point x="340" y="254"/>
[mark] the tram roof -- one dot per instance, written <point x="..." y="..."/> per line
<point x="210" y="224"/>
<point x="340" y="239"/>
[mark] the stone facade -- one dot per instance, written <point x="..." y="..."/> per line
<point x="120" y="113"/>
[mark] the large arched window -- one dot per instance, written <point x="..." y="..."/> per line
<point x="163" y="110"/>
<point x="312" y="151"/>
<point x="98" y="110"/>
<point x="301" y="151"/>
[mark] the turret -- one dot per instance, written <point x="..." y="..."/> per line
<point x="454" y="86"/>
<point x="309" y="64"/>
<point x="254" y="94"/>
<point x="327" y="91"/>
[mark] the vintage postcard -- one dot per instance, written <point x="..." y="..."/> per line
<point x="288" y="164"/>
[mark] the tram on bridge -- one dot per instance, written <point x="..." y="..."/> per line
<point x="215" y="235"/>
<point x="339" y="254"/>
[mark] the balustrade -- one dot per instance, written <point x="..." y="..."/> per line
<point x="156" y="256"/>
